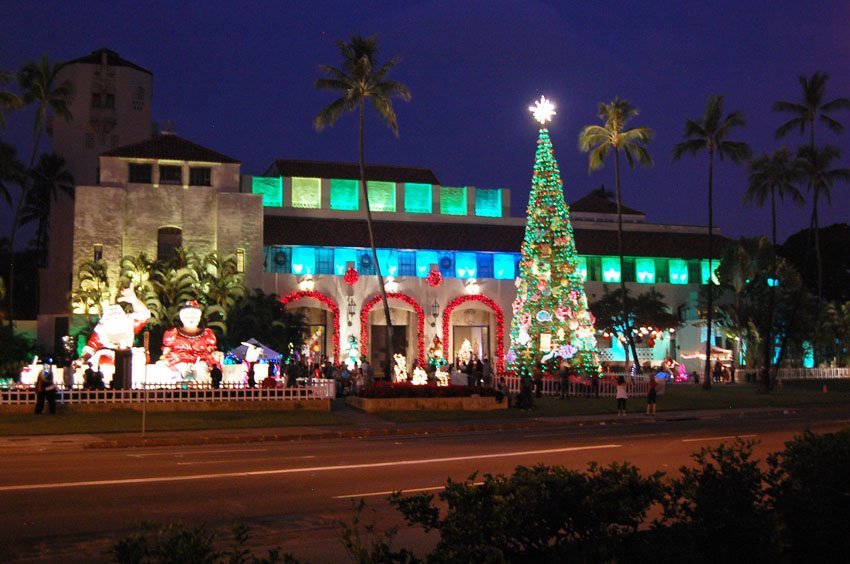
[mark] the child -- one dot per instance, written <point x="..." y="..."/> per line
<point x="622" y="396"/>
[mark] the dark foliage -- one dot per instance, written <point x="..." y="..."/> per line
<point x="834" y="240"/>
<point x="385" y="390"/>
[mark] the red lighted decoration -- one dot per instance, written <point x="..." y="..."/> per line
<point x="328" y="302"/>
<point x="351" y="276"/>
<point x="420" y="324"/>
<point x="434" y="278"/>
<point x="500" y="325"/>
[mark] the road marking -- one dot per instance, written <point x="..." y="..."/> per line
<point x="253" y="459"/>
<point x="718" y="438"/>
<point x="279" y="471"/>
<point x="147" y="454"/>
<point x="404" y="491"/>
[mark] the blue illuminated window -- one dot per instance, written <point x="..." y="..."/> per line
<point x="365" y="264"/>
<point x="407" y="263"/>
<point x="277" y="259"/>
<point x="303" y="260"/>
<point x="488" y="203"/>
<point x="504" y="266"/>
<point x="485" y="265"/>
<point x="388" y="259"/>
<point x="466" y="266"/>
<point x="342" y="256"/>
<point x="424" y="260"/>
<point x="447" y="265"/>
<point x="325" y="260"/>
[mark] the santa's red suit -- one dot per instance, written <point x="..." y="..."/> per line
<point x="183" y="348"/>
<point x="100" y="347"/>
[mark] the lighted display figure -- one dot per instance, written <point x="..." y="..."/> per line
<point x="353" y="352"/>
<point x="551" y="319"/>
<point x="190" y="350"/>
<point x="400" y="368"/>
<point x="116" y="330"/>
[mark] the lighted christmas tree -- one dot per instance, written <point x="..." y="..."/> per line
<point x="550" y="315"/>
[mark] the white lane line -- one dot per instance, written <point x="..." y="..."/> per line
<point x="404" y="491"/>
<point x="253" y="459"/>
<point x="718" y="438"/>
<point x="190" y="452"/>
<point x="279" y="471"/>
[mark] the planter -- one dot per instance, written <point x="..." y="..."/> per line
<point x="474" y="403"/>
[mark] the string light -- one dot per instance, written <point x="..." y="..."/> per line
<point x="328" y="302"/>
<point x="420" y="323"/>
<point x="500" y="324"/>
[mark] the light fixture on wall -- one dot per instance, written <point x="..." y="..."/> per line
<point x="435" y="312"/>
<point x="472" y="287"/>
<point x="391" y="285"/>
<point x="351" y="309"/>
<point x="307" y="284"/>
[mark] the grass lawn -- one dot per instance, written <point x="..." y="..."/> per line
<point x="122" y="421"/>
<point x="676" y="398"/>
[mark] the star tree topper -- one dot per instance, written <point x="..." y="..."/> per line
<point x="543" y="110"/>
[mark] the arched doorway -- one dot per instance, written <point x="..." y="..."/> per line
<point x="448" y="345"/>
<point x="365" y="324"/>
<point x="329" y="303"/>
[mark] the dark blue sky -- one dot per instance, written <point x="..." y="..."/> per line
<point x="238" y="77"/>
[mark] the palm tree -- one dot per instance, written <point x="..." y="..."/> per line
<point x="709" y="133"/>
<point x="361" y="79"/>
<point x="816" y="165"/>
<point x="599" y="140"/>
<point x="11" y="171"/>
<point x="8" y="99"/>
<point x="804" y="114"/>
<point x="49" y="178"/>
<point x="38" y="84"/>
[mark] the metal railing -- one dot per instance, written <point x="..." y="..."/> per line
<point x="318" y="389"/>
<point x="607" y="387"/>
<point x="797" y="374"/>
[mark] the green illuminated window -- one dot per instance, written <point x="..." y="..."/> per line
<point x="705" y="269"/>
<point x="678" y="271"/>
<point x="645" y="270"/>
<point x="307" y="193"/>
<point x="582" y="268"/>
<point x="417" y="198"/>
<point x="488" y="203"/>
<point x="271" y="190"/>
<point x="610" y="269"/>
<point x="453" y="200"/>
<point x="381" y="196"/>
<point x="345" y="194"/>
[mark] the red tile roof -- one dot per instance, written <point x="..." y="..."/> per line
<point x="169" y="146"/>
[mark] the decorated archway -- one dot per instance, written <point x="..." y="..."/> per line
<point x="420" y="324"/>
<point x="327" y="301"/>
<point x="500" y="324"/>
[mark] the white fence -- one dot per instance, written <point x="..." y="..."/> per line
<point x="798" y="374"/>
<point x="318" y="389"/>
<point x="607" y="387"/>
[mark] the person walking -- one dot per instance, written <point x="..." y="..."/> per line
<point x="45" y="389"/>
<point x="651" y="395"/>
<point x="622" y="395"/>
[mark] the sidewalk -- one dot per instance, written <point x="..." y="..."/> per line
<point x="360" y="424"/>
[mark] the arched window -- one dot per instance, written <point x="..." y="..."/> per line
<point x="168" y="240"/>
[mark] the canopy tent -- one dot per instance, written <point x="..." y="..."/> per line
<point x="717" y="353"/>
<point x="270" y="355"/>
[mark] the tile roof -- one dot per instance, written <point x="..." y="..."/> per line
<point x="279" y="230"/>
<point x="327" y="169"/>
<point x="113" y="59"/>
<point x="593" y="203"/>
<point x="169" y="146"/>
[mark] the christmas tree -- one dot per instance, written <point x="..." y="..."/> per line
<point x="551" y="320"/>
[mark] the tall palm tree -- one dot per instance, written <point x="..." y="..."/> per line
<point x="49" y="179"/>
<point x="11" y="171"/>
<point x="805" y="114"/>
<point x="773" y="176"/>
<point x="8" y="99"/>
<point x="39" y="85"/>
<point x="599" y="141"/>
<point x="710" y="133"/>
<point x="361" y="78"/>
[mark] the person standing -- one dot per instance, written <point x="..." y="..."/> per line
<point x="45" y="388"/>
<point x="651" y="395"/>
<point x="622" y="395"/>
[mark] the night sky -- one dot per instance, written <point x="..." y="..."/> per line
<point x="238" y="77"/>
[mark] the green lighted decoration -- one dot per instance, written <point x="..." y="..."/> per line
<point x="381" y="196"/>
<point x="307" y="193"/>
<point x="271" y="188"/>
<point x="550" y="314"/>
<point x="418" y="198"/>
<point x="488" y="203"/>
<point x="705" y="271"/>
<point x="645" y="270"/>
<point x="345" y="194"/>
<point x="582" y="268"/>
<point x="678" y="271"/>
<point x="453" y="200"/>
<point x="611" y="269"/>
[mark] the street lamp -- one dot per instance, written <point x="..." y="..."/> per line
<point x="351" y="308"/>
<point x="435" y="312"/>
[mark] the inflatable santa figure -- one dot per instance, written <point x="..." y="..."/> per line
<point x="189" y="349"/>
<point x="116" y="330"/>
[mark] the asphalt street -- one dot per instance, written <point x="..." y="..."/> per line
<point x="69" y="504"/>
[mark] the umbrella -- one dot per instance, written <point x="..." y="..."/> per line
<point x="241" y="350"/>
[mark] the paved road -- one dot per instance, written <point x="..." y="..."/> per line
<point x="68" y="504"/>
